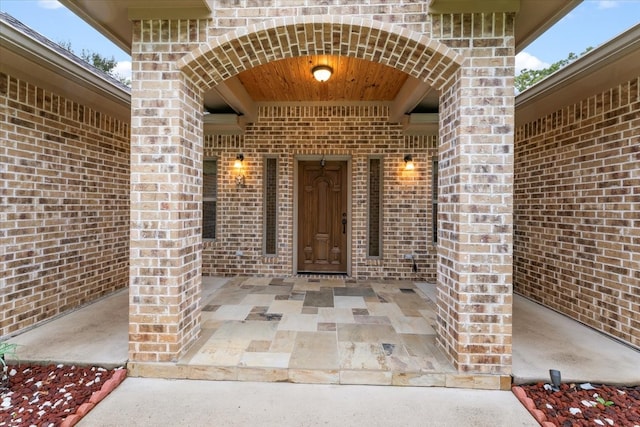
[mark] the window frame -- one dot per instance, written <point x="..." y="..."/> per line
<point x="266" y="205"/>
<point x="380" y="212"/>
<point x="214" y="198"/>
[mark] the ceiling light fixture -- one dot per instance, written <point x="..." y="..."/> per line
<point x="322" y="72"/>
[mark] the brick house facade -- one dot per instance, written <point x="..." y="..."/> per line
<point x="577" y="183"/>
<point x="64" y="162"/>
<point x="190" y="57"/>
<point x="407" y="203"/>
<point x="155" y="184"/>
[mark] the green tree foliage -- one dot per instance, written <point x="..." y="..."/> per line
<point x="528" y="78"/>
<point x="100" y="62"/>
<point x="103" y="63"/>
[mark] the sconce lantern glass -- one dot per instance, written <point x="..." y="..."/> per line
<point x="238" y="166"/>
<point x="238" y="163"/>
<point x="408" y="162"/>
<point x="322" y="73"/>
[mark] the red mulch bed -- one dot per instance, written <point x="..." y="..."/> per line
<point x="572" y="406"/>
<point x="54" y="395"/>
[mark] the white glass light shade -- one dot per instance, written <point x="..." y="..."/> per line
<point x="322" y="73"/>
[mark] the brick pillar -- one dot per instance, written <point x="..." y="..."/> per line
<point x="476" y="195"/>
<point x="166" y="163"/>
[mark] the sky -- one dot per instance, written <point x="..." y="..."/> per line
<point x="591" y="24"/>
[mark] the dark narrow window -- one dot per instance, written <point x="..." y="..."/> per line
<point x="374" y="238"/>
<point x="270" y="205"/>
<point x="434" y="200"/>
<point x="209" y="199"/>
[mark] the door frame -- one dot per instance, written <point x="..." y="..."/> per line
<point x="317" y="157"/>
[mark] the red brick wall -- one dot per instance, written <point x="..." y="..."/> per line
<point x="355" y="132"/>
<point x="577" y="210"/>
<point x="64" y="205"/>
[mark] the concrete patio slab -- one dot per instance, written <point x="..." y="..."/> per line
<point x="544" y="339"/>
<point x="159" y="402"/>
<point x="96" y="334"/>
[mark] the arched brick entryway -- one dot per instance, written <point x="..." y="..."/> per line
<point x="475" y="79"/>
<point x="221" y="58"/>
<point x="415" y="54"/>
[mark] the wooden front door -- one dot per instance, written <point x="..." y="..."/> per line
<point x="322" y="217"/>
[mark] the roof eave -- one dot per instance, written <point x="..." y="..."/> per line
<point x="612" y="63"/>
<point x="28" y="58"/>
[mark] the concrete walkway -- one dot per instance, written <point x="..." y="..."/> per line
<point x="97" y="334"/>
<point x="544" y="339"/>
<point x="157" y="402"/>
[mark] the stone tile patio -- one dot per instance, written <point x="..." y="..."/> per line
<point x="320" y="330"/>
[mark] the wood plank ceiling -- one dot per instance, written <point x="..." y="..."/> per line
<point x="290" y="80"/>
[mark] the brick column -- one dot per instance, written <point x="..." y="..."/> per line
<point x="166" y="163"/>
<point x="476" y="189"/>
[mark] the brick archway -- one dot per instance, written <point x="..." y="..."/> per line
<point x="415" y="54"/>
<point x="475" y="170"/>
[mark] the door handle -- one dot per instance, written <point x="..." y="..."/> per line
<point x="344" y="223"/>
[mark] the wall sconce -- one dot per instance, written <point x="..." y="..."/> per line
<point x="238" y="167"/>
<point x="408" y="163"/>
<point x="322" y="72"/>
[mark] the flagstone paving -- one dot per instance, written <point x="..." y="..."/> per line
<point x="320" y="330"/>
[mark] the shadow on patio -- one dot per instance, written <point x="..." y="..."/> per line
<point x="329" y="330"/>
